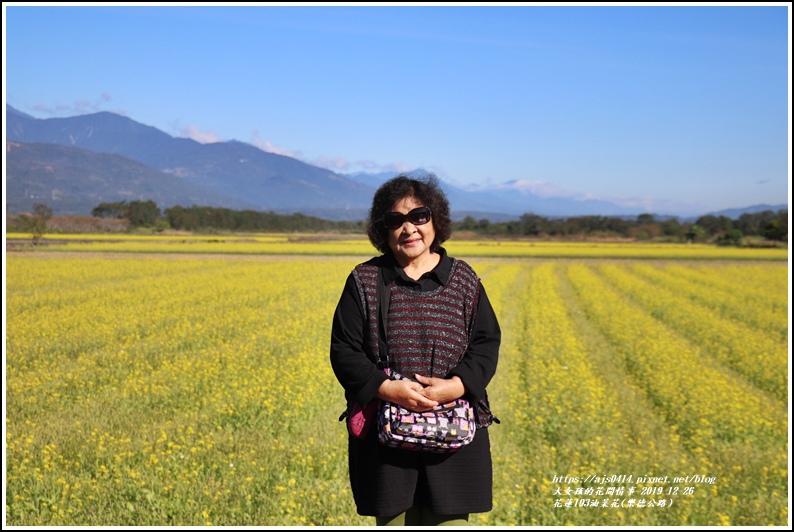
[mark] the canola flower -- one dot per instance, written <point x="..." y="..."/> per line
<point x="753" y="353"/>
<point x="194" y="390"/>
<point x="756" y="277"/>
<point x="767" y="311"/>
<point x="567" y="411"/>
<point x="755" y="294"/>
<point x="740" y="431"/>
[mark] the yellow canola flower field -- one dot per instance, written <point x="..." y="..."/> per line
<point x="737" y="429"/>
<point x="172" y="392"/>
<point x="748" y="349"/>
<point x="358" y="244"/>
<point x="159" y="390"/>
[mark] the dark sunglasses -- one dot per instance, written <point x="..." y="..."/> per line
<point x="418" y="216"/>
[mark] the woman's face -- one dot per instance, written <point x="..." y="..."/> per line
<point x="410" y="243"/>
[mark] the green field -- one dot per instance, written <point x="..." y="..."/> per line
<point x="188" y="383"/>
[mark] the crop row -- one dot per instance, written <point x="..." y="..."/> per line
<point x="738" y="429"/>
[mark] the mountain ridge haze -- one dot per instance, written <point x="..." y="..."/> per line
<point x="231" y="174"/>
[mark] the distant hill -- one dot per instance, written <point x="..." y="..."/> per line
<point x="372" y="180"/>
<point x="506" y="201"/>
<point x="224" y="174"/>
<point x="736" y="213"/>
<point x="11" y="112"/>
<point x="265" y="181"/>
<point x="73" y="181"/>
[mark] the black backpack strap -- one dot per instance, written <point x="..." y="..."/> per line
<point x="384" y="295"/>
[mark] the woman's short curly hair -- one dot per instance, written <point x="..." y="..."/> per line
<point x="426" y="191"/>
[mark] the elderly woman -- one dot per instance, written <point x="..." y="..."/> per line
<point x="440" y="329"/>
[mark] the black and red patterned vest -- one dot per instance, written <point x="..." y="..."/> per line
<point x="428" y="332"/>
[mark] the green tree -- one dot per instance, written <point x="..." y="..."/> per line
<point x="139" y="213"/>
<point x="161" y="225"/>
<point x="732" y="237"/>
<point x="468" y="224"/>
<point x="694" y="233"/>
<point x="715" y="225"/>
<point x="110" y="209"/>
<point x="671" y="227"/>
<point x="776" y="229"/>
<point x="36" y="223"/>
<point x="142" y="213"/>
<point x="754" y="223"/>
<point x="532" y="224"/>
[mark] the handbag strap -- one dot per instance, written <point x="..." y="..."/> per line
<point x="384" y="295"/>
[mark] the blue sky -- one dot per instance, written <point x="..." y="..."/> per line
<point x="680" y="109"/>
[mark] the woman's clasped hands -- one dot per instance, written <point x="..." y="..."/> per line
<point x="423" y="394"/>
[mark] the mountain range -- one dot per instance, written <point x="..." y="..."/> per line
<point x="72" y="164"/>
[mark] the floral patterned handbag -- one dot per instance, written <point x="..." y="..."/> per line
<point x="445" y="428"/>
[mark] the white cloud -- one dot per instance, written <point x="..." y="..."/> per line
<point x="545" y="189"/>
<point x="337" y="164"/>
<point x="370" y="166"/>
<point x="204" y="137"/>
<point x="542" y="189"/>
<point x="657" y="205"/>
<point x="266" y="145"/>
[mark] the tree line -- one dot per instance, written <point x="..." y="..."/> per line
<point x="721" y="229"/>
<point x="769" y="225"/>
<point x="148" y="214"/>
